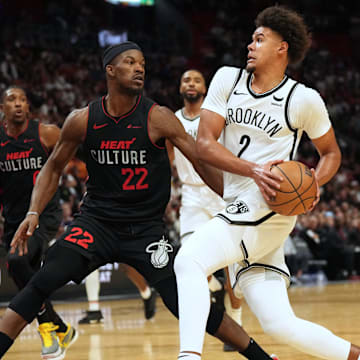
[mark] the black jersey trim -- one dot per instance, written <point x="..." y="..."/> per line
<point x="147" y="129"/>
<point x="122" y="116"/>
<point x="259" y="265"/>
<point x="287" y="120"/>
<point x="188" y="118"/>
<point x="47" y="151"/>
<point x="18" y="135"/>
<point x="267" y="93"/>
<point x="246" y="223"/>
<point x="235" y="83"/>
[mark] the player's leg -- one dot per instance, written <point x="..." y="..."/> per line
<point x="219" y="324"/>
<point x="233" y="306"/>
<point x="265" y="292"/>
<point x="22" y="268"/>
<point x="92" y="286"/>
<point x="146" y="292"/>
<point x="26" y="304"/>
<point x="203" y="254"/>
<point x="192" y="216"/>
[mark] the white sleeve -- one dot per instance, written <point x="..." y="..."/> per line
<point x="308" y="112"/>
<point x="219" y="90"/>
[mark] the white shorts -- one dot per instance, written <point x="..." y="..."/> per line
<point x="199" y="204"/>
<point x="244" y="234"/>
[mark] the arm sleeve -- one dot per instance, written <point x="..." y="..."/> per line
<point x="310" y="113"/>
<point x="219" y="90"/>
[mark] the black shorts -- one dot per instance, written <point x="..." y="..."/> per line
<point x="141" y="245"/>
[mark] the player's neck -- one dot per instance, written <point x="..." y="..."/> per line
<point x="192" y="110"/>
<point x="14" y="129"/>
<point x="119" y="104"/>
<point x="265" y="81"/>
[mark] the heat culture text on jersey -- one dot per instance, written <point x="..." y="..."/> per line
<point x="119" y="152"/>
<point x="253" y="118"/>
<point x="21" y="160"/>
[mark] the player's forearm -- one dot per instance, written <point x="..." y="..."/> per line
<point x="211" y="176"/>
<point x="46" y="185"/>
<point x="218" y="156"/>
<point x="328" y="166"/>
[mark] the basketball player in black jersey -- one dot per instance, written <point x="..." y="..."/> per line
<point x="24" y="149"/>
<point x="123" y="135"/>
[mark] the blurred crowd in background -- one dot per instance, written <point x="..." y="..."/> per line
<point x="53" y="50"/>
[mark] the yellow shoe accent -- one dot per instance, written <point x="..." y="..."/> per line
<point x="51" y="348"/>
<point x="68" y="337"/>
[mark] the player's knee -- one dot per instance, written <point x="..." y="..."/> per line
<point x="183" y="264"/>
<point x="280" y="329"/>
<point x="28" y="302"/>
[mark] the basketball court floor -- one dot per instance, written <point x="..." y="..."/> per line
<point x="125" y="334"/>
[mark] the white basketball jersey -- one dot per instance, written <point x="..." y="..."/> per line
<point x="263" y="127"/>
<point x="186" y="171"/>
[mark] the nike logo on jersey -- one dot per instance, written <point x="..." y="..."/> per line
<point x="97" y="127"/>
<point x="278" y="99"/>
<point x="5" y="143"/>
<point x="28" y="140"/>
<point x="239" y="93"/>
<point x="133" y="127"/>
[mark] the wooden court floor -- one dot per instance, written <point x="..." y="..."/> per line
<point x="126" y="335"/>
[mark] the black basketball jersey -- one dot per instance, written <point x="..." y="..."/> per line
<point x="129" y="176"/>
<point x="21" y="159"/>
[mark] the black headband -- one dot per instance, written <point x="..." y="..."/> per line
<point x="114" y="50"/>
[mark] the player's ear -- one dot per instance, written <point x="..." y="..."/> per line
<point x="284" y="46"/>
<point x="110" y="70"/>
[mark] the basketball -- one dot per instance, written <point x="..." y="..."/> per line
<point x="297" y="190"/>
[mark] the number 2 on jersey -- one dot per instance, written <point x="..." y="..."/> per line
<point x="244" y="142"/>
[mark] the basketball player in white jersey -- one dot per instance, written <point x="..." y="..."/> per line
<point x="263" y="114"/>
<point x="199" y="203"/>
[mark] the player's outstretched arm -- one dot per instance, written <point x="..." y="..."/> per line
<point x="214" y="153"/>
<point x="72" y="134"/>
<point x="164" y="124"/>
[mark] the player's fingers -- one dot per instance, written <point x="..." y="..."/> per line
<point x="25" y="248"/>
<point x="269" y="190"/>
<point x="276" y="162"/>
<point x="31" y="228"/>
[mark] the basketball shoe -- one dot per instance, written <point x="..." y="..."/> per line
<point x="92" y="317"/>
<point x="67" y="338"/>
<point x="150" y="305"/>
<point x="51" y="348"/>
<point x="274" y="357"/>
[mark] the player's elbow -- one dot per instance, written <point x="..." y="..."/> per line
<point x="203" y="147"/>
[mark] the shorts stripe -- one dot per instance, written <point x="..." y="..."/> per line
<point x="259" y="265"/>
<point x="246" y="223"/>
<point x="186" y="234"/>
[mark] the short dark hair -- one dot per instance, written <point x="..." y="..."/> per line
<point x="9" y="88"/>
<point x="290" y="26"/>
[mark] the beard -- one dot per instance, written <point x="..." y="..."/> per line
<point x="193" y="98"/>
<point x="250" y="68"/>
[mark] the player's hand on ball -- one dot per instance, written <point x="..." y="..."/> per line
<point x="317" y="198"/>
<point x="24" y="231"/>
<point x="267" y="181"/>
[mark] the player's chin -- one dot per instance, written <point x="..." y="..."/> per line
<point x="250" y="67"/>
<point x="135" y="90"/>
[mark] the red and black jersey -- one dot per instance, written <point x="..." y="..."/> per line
<point x="129" y="176"/>
<point x="21" y="159"/>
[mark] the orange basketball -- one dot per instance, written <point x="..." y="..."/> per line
<point x="297" y="191"/>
